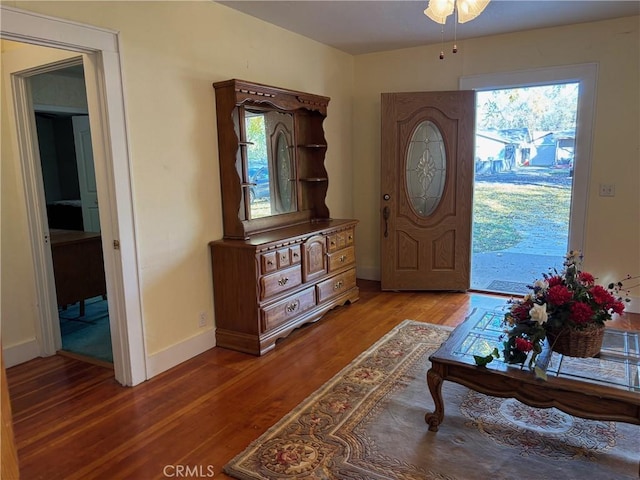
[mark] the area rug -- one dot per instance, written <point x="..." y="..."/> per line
<point x="368" y="423"/>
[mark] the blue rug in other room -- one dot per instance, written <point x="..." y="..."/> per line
<point x="90" y="334"/>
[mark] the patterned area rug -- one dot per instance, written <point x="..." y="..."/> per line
<point x="368" y="423"/>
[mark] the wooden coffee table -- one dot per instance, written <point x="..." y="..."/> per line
<point x="603" y="388"/>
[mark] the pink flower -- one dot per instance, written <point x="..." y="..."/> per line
<point x="559" y="295"/>
<point x="287" y="457"/>
<point x="581" y="312"/>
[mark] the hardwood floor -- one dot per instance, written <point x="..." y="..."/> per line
<point x="73" y="421"/>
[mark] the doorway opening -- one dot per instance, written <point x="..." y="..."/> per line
<point x="71" y="200"/>
<point x="105" y="102"/>
<point x="525" y="156"/>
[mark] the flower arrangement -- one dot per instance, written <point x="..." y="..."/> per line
<point x="570" y="299"/>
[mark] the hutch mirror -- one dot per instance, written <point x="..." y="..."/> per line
<point x="271" y="149"/>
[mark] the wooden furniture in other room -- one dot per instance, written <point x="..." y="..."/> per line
<point x="283" y="261"/>
<point x="78" y="266"/>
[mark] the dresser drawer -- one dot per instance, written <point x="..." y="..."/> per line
<point x="295" y="254"/>
<point x="284" y="260"/>
<point x="348" y="237"/>
<point x="338" y="240"/>
<point x="336" y="285"/>
<point x="268" y="262"/>
<point x="275" y="315"/>
<point x="334" y="241"/>
<point x="341" y="259"/>
<point x="280" y="281"/>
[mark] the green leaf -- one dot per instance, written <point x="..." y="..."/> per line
<point x="483" y="361"/>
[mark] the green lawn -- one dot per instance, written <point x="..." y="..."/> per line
<point x="496" y="205"/>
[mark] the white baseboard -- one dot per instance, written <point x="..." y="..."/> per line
<point x="21" y="352"/>
<point x="180" y="352"/>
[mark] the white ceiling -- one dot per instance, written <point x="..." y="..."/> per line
<point x="360" y="26"/>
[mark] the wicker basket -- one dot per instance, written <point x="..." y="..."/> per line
<point x="577" y="343"/>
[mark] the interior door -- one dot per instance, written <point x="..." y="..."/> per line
<point x="86" y="173"/>
<point x="427" y="190"/>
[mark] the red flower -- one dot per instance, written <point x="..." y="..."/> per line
<point x="586" y="278"/>
<point x="601" y="296"/>
<point x="523" y="344"/>
<point x="617" y="307"/>
<point x="559" y="295"/>
<point x="555" y="280"/>
<point x="581" y="312"/>
<point x="520" y="311"/>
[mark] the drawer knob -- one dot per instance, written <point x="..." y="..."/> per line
<point x="295" y="255"/>
<point x="342" y="258"/>
<point x="283" y="281"/>
<point x="269" y="262"/>
<point x="337" y="285"/>
<point x="292" y="307"/>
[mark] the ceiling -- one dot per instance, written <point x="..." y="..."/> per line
<point x="359" y="27"/>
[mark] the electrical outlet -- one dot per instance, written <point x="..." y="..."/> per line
<point x="607" y="190"/>
<point x="202" y="319"/>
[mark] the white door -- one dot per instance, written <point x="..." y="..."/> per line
<point x="86" y="173"/>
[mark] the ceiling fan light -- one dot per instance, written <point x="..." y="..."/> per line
<point x="439" y="10"/>
<point x="470" y="9"/>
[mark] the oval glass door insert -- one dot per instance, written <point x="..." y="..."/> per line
<point x="426" y="168"/>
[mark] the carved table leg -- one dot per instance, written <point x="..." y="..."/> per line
<point x="434" y="380"/>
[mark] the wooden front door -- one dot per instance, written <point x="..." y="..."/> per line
<point x="426" y="190"/>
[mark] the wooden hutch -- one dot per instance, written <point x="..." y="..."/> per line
<point x="283" y="261"/>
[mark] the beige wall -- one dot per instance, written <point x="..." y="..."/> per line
<point x="612" y="243"/>
<point x="171" y="52"/>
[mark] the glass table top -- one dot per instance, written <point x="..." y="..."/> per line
<point x="617" y="365"/>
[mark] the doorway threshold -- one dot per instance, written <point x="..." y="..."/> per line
<point x="84" y="358"/>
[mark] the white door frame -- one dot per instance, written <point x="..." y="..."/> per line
<point x="586" y="75"/>
<point x="105" y="101"/>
